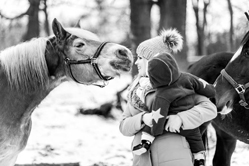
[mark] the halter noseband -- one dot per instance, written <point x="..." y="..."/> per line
<point x="240" y="88"/>
<point x="92" y="61"/>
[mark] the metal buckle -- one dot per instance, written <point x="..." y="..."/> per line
<point x="66" y="60"/>
<point x="93" y="61"/>
<point x="240" y="89"/>
<point x="243" y="103"/>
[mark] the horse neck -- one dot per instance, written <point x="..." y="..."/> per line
<point x="16" y="106"/>
<point x="15" y="120"/>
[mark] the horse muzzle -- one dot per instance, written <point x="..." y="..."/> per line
<point x="124" y="65"/>
<point x="125" y="60"/>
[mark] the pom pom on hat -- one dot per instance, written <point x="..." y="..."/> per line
<point x="169" y="41"/>
<point x="172" y="39"/>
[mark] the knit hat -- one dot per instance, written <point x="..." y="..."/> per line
<point x="169" y="41"/>
<point x="163" y="70"/>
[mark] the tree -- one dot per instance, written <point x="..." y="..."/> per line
<point x="231" y="33"/>
<point x="140" y="23"/>
<point x="46" y="24"/>
<point x="33" y="27"/>
<point x="201" y="24"/>
<point x="172" y="15"/>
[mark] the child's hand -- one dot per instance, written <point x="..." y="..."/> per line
<point x="147" y="119"/>
<point x="174" y="123"/>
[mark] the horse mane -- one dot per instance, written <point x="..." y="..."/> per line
<point x="25" y="65"/>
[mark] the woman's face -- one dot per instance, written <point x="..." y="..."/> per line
<point x="142" y="64"/>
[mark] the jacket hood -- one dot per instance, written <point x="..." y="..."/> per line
<point x="163" y="70"/>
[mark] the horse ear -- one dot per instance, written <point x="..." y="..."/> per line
<point x="77" y="25"/>
<point x="58" y="30"/>
<point x="247" y="15"/>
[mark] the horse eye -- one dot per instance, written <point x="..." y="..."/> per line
<point x="247" y="53"/>
<point x="79" y="45"/>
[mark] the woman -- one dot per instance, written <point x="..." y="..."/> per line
<point x="170" y="149"/>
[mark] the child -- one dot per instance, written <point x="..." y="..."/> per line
<point x="173" y="94"/>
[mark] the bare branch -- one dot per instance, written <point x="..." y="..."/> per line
<point x="13" y="18"/>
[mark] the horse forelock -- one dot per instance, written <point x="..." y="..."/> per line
<point x="245" y="39"/>
<point x="84" y="34"/>
<point x="243" y="42"/>
<point x="25" y="65"/>
<point x="237" y="53"/>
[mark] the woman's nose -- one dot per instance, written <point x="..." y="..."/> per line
<point x="136" y="62"/>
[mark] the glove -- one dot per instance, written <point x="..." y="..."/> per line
<point x="147" y="119"/>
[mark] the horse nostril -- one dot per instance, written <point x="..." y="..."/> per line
<point x="122" y="52"/>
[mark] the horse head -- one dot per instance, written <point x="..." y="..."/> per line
<point x="231" y="85"/>
<point x="87" y="59"/>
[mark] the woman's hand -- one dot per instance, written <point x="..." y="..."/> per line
<point x="174" y="123"/>
<point x="147" y="119"/>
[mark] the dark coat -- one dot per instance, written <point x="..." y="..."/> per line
<point x="173" y="90"/>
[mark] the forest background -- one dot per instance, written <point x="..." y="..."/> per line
<point x="59" y="134"/>
<point x="207" y="26"/>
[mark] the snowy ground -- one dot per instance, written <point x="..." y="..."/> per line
<point x="59" y="135"/>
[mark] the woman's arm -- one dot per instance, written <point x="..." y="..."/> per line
<point x="203" y="111"/>
<point x="131" y="122"/>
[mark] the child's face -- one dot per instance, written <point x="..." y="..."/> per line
<point x="142" y="65"/>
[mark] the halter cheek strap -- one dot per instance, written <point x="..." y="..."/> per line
<point x="239" y="88"/>
<point x="92" y="61"/>
<point x="95" y="65"/>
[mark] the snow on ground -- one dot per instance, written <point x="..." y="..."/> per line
<point x="239" y="157"/>
<point x="60" y="135"/>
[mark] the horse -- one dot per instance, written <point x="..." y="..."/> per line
<point x="30" y="70"/>
<point x="228" y="72"/>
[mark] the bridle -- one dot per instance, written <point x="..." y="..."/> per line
<point x="239" y="88"/>
<point x="92" y="61"/>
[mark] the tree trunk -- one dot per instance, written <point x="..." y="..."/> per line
<point x="201" y="26"/>
<point x="198" y="27"/>
<point x="173" y="15"/>
<point x="231" y="42"/>
<point x="46" y="23"/>
<point x="33" y="29"/>
<point x="140" y="24"/>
